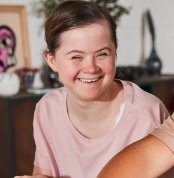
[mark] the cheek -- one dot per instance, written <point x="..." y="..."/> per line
<point x="67" y="72"/>
<point x="109" y="67"/>
<point x="110" y="70"/>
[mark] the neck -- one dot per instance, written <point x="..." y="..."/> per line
<point x="98" y="115"/>
<point x="88" y="108"/>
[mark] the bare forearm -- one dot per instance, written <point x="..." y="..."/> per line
<point x="147" y="158"/>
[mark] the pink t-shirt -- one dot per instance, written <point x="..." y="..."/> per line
<point x="68" y="154"/>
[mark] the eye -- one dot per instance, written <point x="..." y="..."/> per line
<point x="77" y="58"/>
<point x="103" y="54"/>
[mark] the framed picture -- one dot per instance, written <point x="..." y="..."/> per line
<point x="14" y="43"/>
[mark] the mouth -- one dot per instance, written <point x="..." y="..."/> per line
<point x="89" y="80"/>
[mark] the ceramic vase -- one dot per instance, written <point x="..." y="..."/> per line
<point x="153" y="63"/>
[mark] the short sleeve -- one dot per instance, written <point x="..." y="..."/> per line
<point x="165" y="132"/>
<point x="41" y="159"/>
<point x="41" y="153"/>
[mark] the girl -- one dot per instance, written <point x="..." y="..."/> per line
<point x="78" y="128"/>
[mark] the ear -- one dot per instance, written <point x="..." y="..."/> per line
<point x="51" y="61"/>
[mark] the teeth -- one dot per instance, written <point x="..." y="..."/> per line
<point x="88" y="80"/>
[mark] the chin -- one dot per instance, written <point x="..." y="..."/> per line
<point x="90" y="96"/>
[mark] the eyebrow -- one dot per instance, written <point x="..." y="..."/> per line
<point x="104" y="48"/>
<point x="75" y="51"/>
<point x="82" y="52"/>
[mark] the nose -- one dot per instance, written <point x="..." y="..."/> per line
<point x="90" y="66"/>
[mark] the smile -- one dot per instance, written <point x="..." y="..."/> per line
<point x="89" y="80"/>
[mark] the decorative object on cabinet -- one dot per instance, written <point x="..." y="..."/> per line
<point x="14" y="18"/>
<point x="27" y="76"/>
<point x="50" y="78"/>
<point x="9" y="84"/>
<point x="153" y="63"/>
<point x="54" y="79"/>
<point x="7" y="48"/>
<point x="129" y="72"/>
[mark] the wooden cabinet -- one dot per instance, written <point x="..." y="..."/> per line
<point x="16" y="134"/>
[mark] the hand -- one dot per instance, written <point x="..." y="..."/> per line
<point x="40" y="176"/>
<point x="38" y="173"/>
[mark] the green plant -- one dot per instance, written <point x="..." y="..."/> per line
<point x="114" y="8"/>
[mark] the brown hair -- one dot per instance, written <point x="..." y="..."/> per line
<point x="74" y="14"/>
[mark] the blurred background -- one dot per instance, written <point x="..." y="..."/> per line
<point x="133" y="36"/>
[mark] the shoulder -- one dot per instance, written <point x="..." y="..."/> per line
<point x="138" y="93"/>
<point x="51" y="105"/>
<point x="53" y="97"/>
<point x="144" y="103"/>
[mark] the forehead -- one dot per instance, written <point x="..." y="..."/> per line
<point x="101" y="27"/>
<point x="88" y="38"/>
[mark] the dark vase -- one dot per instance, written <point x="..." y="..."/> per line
<point x="54" y="79"/>
<point x="153" y="63"/>
<point x="49" y="77"/>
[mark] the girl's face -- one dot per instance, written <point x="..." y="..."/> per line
<point x="85" y="61"/>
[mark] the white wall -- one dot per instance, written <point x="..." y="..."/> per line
<point x="129" y="32"/>
<point x="130" y="50"/>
